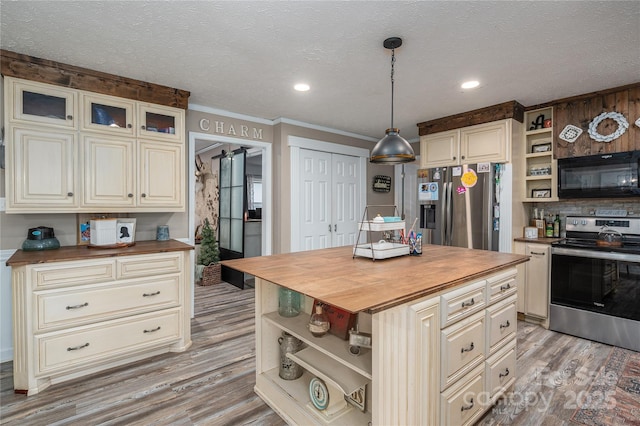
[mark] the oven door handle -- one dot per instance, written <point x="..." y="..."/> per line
<point x="595" y="254"/>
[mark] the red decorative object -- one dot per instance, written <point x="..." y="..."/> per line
<point x="341" y="321"/>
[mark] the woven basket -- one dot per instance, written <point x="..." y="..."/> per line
<point x="211" y="275"/>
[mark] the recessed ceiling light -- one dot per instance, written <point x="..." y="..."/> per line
<point x="302" y="87"/>
<point x="470" y="84"/>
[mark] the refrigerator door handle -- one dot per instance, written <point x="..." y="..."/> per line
<point x="444" y="215"/>
<point x="450" y="214"/>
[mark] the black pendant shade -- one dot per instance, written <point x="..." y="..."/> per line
<point x="392" y="148"/>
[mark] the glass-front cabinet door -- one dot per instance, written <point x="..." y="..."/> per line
<point x="107" y="114"/>
<point x="41" y="103"/>
<point x="157" y="122"/>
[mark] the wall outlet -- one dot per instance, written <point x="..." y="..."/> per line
<point x="3" y="204"/>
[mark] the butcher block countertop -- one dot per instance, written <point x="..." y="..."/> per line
<point x="67" y="253"/>
<point x="361" y="284"/>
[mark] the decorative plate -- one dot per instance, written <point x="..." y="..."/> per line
<point x="623" y="125"/>
<point x="319" y="393"/>
<point x="570" y="133"/>
<point x="638" y="122"/>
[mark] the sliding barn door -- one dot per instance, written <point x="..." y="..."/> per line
<point x="232" y="205"/>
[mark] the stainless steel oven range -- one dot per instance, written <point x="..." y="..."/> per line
<point x="595" y="280"/>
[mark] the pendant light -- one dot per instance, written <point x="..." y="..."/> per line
<point x="392" y="148"/>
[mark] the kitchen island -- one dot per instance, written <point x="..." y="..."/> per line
<point x="442" y="331"/>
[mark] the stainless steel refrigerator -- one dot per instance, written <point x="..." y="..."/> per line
<point x="459" y="205"/>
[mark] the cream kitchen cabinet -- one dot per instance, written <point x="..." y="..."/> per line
<point x="160" y="122"/>
<point x="124" y="117"/>
<point x="533" y="294"/>
<point x="161" y="176"/>
<point x="40" y="170"/>
<point x="108" y="114"/>
<point x="75" y="317"/>
<point x="117" y="174"/>
<point x="40" y="104"/>
<point x="453" y="355"/>
<point x="130" y="155"/>
<point x="488" y="142"/>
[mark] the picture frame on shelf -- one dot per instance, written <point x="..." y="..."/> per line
<point x="543" y="147"/>
<point x="541" y="193"/>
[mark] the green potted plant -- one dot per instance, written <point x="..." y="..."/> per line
<point x="208" y="266"/>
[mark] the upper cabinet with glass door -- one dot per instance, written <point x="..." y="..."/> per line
<point x="41" y="104"/>
<point x="160" y="122"/>
<point x="108" y="114"/>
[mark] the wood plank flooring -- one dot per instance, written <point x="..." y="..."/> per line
<point x="212" y="383"/>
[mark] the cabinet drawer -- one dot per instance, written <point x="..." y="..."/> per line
<point x="73" y="273"/>
<point x="502" y="285"/>
<point x="501" y="323"/>
<point x="501" y="370"/>
<point x="63" y="308"/>
<point x="460" y="405"/>
<point x="70" y="349"/>
<point x="459" y="304"/>
<point x="144" y="266"/>
<point x="462" y="348"/>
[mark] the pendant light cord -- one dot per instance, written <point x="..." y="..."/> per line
<point x="393" y="62"/>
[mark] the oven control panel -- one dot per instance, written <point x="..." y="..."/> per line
<point x="628" y="225"/>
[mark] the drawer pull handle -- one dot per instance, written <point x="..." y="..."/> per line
<point x="538" y="253"/>
<point x="505" y="374"/>
<point x="505" y="325"/>
<point x="468" y="407"/>
<point x="505" y="287"/>
<point x="152" y="330"/>
<point x="77" y="306"/>
<point x="151" y="294"/>
<point x="469" y="303"/>
<point x="77" y="348"/>
<point x="469" y="349"/>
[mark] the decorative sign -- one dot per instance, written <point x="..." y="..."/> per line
<point x="381" y="183"/>
<point x="570" y="133"/>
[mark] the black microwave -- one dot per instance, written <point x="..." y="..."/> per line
<point x="599" y="176"/>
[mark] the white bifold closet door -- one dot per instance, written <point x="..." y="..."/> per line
<point x="329" y="199"/>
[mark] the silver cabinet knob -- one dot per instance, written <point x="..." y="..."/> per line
<point x="130" y="195"/>
<point x="69" y="194"/>
<point x="143" y="127"/>
<point x="129" y="126"/>
<point x="143" y="195"/>
<point x="69" y="117"/>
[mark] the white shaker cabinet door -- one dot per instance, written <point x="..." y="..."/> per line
<point x="40" y="170"/>
<point x="108" y="171"/>
<point x="161" y="178"/>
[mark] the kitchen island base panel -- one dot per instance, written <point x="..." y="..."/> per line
<point x="404" y="372"/>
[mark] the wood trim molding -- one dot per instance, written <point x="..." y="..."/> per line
<point x="511" y="109"/>
<point x="45" y="71"/>
<point x="584" y="97"/>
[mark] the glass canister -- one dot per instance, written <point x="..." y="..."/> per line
<point x="289" y="370"/>
<point x="289" y="302"/>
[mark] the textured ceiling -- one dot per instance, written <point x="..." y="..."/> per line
<point x="244" y="56"/>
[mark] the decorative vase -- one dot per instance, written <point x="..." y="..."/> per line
<point x="211" y="275"/>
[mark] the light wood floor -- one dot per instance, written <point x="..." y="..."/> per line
<point x="212" y="383"/>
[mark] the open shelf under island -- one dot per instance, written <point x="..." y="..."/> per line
<point x="443" y="329"/>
